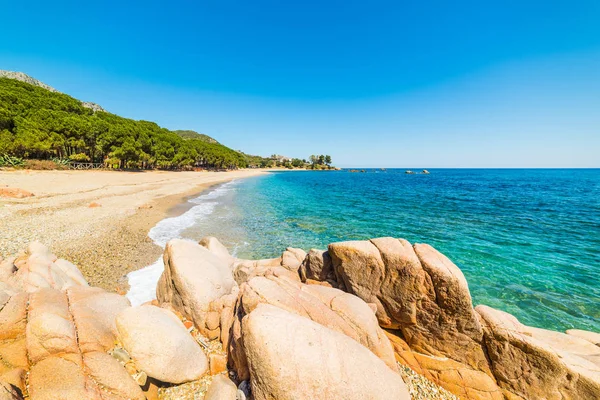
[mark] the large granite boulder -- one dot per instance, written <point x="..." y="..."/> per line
<point x="292" y="357"/>
<point x="540" y="364"/>
<point x="329" y="307"/>
<point x="317" y="266"/>
<point x="38" y="268"/>
<point x="160" y="344"/>
<point x="49" y="340"/>
<point x="193" y="281"/>
<point x="416" y="290"/>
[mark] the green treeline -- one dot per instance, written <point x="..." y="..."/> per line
<point x="38" y="124"/>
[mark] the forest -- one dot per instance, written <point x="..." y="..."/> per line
<point x="38" y="124"/>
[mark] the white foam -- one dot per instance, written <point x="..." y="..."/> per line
<point x="142" y="283"/>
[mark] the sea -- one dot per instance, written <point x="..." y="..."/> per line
<point x="527" y="240"/>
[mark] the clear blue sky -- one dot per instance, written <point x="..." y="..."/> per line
<point x="407" y="84"/>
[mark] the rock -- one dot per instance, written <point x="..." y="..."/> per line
<point x="329" y="307"/>
<point x="292" y="258"/>
<point x="537" y="363"/>
<point x="319" y="363"/>
<point x="50" y="329"/>
<point x="111" y="376"/>
<point x="317" y="266"/>
<point x="591" y="337"/>
<point x="39" y="268"/>
<point x="94" y="205"/>
<point x="244" y="270"/>
<point x="160" y="344"/>
<point x="15" y="193"/>
<point x="221" y="388"/>
<point x="213" y="245"/>
<point x="121" y="355"/>
<point x="416" y="290"/>
<point x="94" y="312"/>
<point x="193" y="278"/>
<point x="218" y="363"/>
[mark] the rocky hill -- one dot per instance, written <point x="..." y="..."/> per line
<point x="20" y="76"/>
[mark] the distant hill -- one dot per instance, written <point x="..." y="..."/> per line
<point x="195" y="135"/>
<point x="20" y="76"/>
<point x="38" y="122"/>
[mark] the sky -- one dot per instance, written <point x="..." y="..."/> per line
<point x="419" y="84"/>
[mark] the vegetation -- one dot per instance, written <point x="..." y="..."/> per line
<point x="195" y="135"/>
<point x="320" y="162"/>
<point x="38" y="124"/>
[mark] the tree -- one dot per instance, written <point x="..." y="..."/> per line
<point x="313" y="159"/>
<point x="328" y="160"/>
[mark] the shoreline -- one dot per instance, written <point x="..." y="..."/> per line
<point x="98" y="220"/>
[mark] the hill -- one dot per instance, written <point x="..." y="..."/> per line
<point x="20" y="76"/>
<point x="36" y="121"/>
<point x="195" y="135"/>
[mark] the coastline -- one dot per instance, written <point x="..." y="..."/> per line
<point x="99" y="219"/>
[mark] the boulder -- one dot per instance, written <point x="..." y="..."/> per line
<point x="221" y="388"/>
<point x="329" y="307"/>
<point x="292" y="357"/>
<point x="49" y="336"/>
<point x="292" y="258"/>
<point x="317" y="266"/>
<point x="160" y="344"/>
<point x="416" y="290"/>
<point x="94" y="312"/>
<point x="38" y="268"/>
<point x="193" y="279"/>
<point x="537" y="363"/>
<point x="591" y="337"/>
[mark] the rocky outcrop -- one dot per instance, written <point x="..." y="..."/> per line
<point x="198" y="284"/>
<point x="329" y="307"/>
<point x="160" y="344"/>
<point x="52" y="336"/>
<point x="417" y="291"/>
<point x="486" y="354"/>
<point x="38" y="268"/>
<point x="537" y="363"/>
<point x="292" y="357"/>
<point x="317" y="266"/>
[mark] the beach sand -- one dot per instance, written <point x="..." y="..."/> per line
<point x="99" y="220"/>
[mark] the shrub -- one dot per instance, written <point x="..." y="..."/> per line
<point x="81" y="157"/>
<point x="44" y="165"/>
<point x="10" y="161"/>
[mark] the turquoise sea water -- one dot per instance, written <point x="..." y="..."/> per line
<point x="528" y="241"/>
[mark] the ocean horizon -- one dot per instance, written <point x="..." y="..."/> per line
<point x="525" y="239"/>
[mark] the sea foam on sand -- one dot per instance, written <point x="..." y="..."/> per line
<point x="142" y="283"/>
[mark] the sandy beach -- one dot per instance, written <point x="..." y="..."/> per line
<point x="98" y="219"/>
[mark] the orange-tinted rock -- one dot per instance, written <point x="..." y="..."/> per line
<point x="15" y="193"/>
<point x="218" y="363"/>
